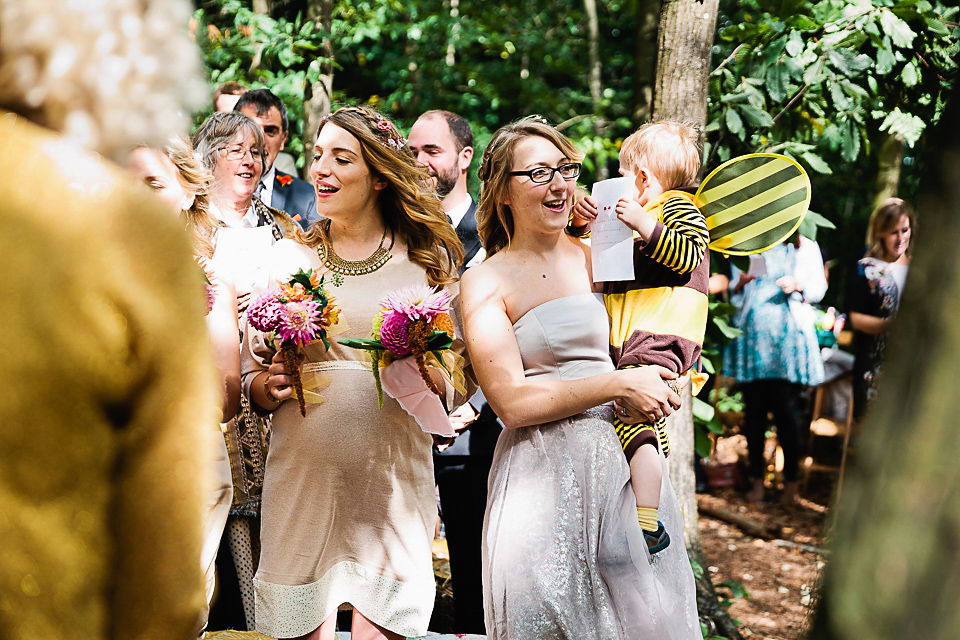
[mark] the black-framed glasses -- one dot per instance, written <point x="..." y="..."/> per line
<point x="541" y="175"/>
<point x="237" y="152"/>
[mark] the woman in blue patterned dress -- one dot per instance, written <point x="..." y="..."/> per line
<point x="777" y="355"/>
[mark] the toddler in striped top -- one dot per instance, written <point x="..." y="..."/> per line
<point x="660" y="316"/>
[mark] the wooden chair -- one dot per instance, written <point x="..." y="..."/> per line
<point x="823" y="426"/>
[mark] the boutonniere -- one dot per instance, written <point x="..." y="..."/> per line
<point x="285" y="180"/>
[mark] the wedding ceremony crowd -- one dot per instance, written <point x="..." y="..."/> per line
<point x="240" y="399"/>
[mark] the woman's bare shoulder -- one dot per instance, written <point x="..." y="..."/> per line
<point x="484" y="281"/>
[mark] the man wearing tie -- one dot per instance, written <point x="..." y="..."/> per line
<point x="443" y="143"/>
<point x="278" y="189"/>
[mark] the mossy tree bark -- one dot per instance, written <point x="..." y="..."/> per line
<point x="894" y="569"/>
<point x="318" y="96"/>
<point x="645" y="59"/>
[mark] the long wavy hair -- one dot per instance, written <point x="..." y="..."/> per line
<point x="886" y="217"/>
<point x="494" y="218"/>
<point x="197" y="181"/>
<point x="410" y="210"/>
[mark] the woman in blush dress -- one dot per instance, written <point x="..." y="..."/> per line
<point x="564" y="555"/>
<point x="349" y="502"/>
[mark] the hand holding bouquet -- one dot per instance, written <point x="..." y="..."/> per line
<point x="296" y="313"/>
<point x="414" y="322"/>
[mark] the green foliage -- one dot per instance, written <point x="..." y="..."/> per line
<point x="829" y="78"/>
<point x="720" y="331"/>
<point x="260" y="51"/>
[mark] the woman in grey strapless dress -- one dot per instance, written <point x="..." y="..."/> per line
<point x="564" y="556"/>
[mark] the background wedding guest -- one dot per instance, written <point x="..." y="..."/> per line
<point x="777" y="355"/>
<point x="178" y="179"/>
<point x="349" y="505"/>
<point x="226" y="96"/>
<point x="278" y="189"/>
<point x="105" y="439"/>
<point x="231" y="146"/>
<point x="443" y="144"/>
<point x="875" y="293"/>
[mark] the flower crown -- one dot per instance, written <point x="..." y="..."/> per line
<point x="387" y="133"/>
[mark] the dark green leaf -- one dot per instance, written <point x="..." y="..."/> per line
<point x="777" y="79"/>
<point x="755" y="117"/>
<point x="816" y="163"/>
<point x="734" y="123"/>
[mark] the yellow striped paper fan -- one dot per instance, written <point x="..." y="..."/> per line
<point x="753" y="202"/>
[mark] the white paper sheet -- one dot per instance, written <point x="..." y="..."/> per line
<point x="611" y="241"/>
<point x="240" y="252"/>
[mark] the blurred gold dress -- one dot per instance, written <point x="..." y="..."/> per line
<point x="109" y="406"/>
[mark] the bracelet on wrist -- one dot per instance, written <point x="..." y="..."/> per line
<point x="267" y="392"/>
<point x="577" y="232"/>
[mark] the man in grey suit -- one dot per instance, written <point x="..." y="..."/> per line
<point x="443" y="143"/>
<point x="278" y="189"/>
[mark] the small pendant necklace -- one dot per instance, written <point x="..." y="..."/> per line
<point x="336" y="264"/>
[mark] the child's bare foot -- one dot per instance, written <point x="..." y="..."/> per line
<point x="756" y="493"/>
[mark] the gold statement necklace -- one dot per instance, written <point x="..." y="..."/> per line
<point x="336" y="264"/>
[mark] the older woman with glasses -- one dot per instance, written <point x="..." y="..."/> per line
<point x="231" y="146"/>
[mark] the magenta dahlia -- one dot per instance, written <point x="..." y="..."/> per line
<point x="264" y="313"/>
<point x="394" y="333"/>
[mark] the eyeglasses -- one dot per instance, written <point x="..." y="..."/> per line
<point x="541" y="175"/>
<point x="237" y="152"/>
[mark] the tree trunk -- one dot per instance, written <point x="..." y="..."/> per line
<point x="888" y="175"/>
<point x="687" y="28"/>
<point x="685" y="40"/>
<point x="894" y="570"/>
<point x="318" y="96"/>
<point x="648" y="15"/>
<point x="596" y="82"/>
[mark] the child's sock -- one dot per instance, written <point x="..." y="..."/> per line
<point x="654" y="534"/>
<point x="647" y="518"/>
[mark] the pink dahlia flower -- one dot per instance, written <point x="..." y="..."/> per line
<point x="264" y="313"/>
<point x="299" y="322"/>
<point x="394" y="333"/>
<point x="211" y="296"/>
<point x="416" y="302"/>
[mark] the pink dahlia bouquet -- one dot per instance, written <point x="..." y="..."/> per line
<point x="295" y="314"/>
<point x="412" y="336"/>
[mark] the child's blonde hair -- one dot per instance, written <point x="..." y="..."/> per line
<point x="671" y="150"/>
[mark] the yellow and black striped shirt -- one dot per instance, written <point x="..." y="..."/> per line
<point x="660" y="316"/>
